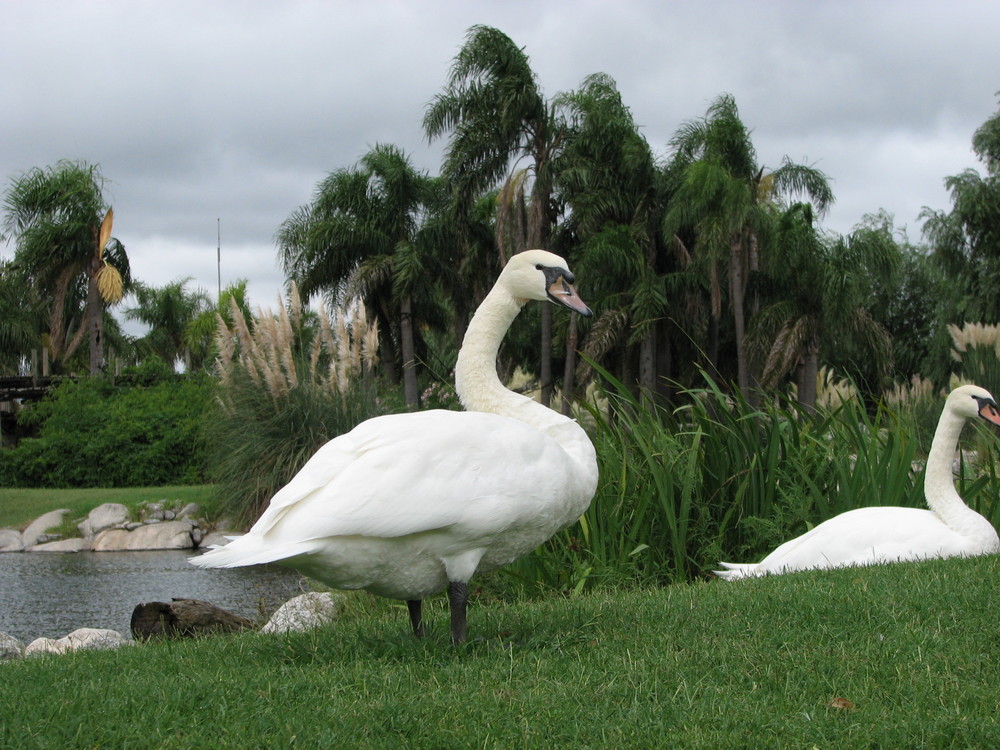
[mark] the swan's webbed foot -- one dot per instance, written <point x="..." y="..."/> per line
<point x="458" y="599"/>
<point x="413" y="605"/>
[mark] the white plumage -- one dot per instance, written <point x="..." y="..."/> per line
<point x="865" y="536"/>
<point x="407" y="505"/>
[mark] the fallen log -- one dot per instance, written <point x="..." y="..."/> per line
<point x="183" y="618"/>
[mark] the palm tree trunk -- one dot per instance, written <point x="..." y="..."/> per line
<point x="647" y="365"/>
<point x="569" y="371"/>
<point x="807" y="375"/>
<point x="737" y="288"/>
<point x="545" y="368"/>
<point x="57" y="319"/>
<point x="539" y="231"/>
<point x="407" y="350"/>
<point x="386" y="347"/>
<point x="664" y="363"/>
<point x="94" y="315"/>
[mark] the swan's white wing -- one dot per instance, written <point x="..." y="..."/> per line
<point x="864" y="536"/>
<point x="409" y="473"/>
<point x="735" y="571"/>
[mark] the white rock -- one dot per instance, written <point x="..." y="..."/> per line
<point x="83" y="639"/>
<point x="76" y="544"/>
<point x="303" y="613"/>
<point x="103" y="517"/>
<point x="10" y="540"/>
<point x="45" y="646"/>
<point x="189" y="511"/>
<point x="40" y="525"/>
<point x="163" y="535"/>
<point x="151" y="511"/>
<point x="10" y="647"/>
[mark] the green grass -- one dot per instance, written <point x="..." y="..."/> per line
<point x="754" y="664"/>
<point x="19" y="507"/>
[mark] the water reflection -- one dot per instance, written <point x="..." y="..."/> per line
<point x="52" y="594"/>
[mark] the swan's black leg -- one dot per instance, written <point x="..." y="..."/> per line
<point x="413" y="605"/>
<point x="458" y="598"/>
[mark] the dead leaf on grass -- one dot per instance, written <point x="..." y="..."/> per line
<point x="842" y="703"/>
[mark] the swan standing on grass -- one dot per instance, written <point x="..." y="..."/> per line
<point x="865" y="536"/>
<point x="406" y="505"/>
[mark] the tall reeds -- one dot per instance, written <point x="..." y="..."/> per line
<point x="289" y="381"/>
<point x="719" y="479"/>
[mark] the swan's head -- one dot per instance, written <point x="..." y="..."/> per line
<point x="970" y="401"/>
<point x="541" y="275"/>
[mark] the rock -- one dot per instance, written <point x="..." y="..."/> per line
<point x="151" y="512"/>
<point x="217" y="539"/>
<point x="83" y="639"/>
<point x="40" y="525"/>
<point x="163" y="535"/>
<point x="304" y="612"/>
<point x="10" y="540"/>
<point x="188" y="511"/>
<point x="79" y="640"/>
<point x="10" y="647"/>
<point x="103" y="517"/>
<point x="182" y="618"/>
<point x="45" y="646"/>
<point x="76" y="544"/>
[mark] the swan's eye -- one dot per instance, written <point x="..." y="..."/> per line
<point x="539" y="267"/>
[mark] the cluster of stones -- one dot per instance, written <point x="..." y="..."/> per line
<point x="304" y="612"/>
<point x="110" y="528"/>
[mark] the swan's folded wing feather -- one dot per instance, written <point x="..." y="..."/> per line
<point x="361" y="483"/>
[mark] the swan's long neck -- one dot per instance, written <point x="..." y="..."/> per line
<point x="939" y="480"/>
<point x="480" y="389"/>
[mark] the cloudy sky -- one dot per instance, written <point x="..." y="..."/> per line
<point x="229" y="112"/>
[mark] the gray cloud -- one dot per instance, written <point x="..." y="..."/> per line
<point x="231" y="110"/>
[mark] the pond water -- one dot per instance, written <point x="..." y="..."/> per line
<point x="52" y="594"/>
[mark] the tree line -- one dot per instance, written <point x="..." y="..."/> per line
<point x="700" y="259"/>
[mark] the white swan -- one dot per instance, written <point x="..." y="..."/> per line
<point x="865" y="536"/>
<point x="407" y="505"/>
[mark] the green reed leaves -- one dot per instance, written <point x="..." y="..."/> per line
<point x="717" y="478"/>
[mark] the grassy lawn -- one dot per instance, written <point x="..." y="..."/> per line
<point x="19" y="507"/>
<point x="898" y="656"/>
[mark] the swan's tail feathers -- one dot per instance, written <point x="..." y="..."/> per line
<point x="250" y="549"/>
<point x="735" y="571"/>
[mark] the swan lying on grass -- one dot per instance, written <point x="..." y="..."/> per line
<point x="407" y="505"/>
<point x="865" y="536"/>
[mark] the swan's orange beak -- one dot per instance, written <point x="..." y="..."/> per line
<point x="562" y="292"/>
<point x="988" y="410"/>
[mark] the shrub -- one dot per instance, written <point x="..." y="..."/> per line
<point x="95" y="433"/>
<point x="288" y="383"/>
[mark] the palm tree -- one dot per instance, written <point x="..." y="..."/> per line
<point x="617" y="194"/>
<point x="62" y="230"/>
<point x="497" y="116"/>
<point x="819" y="291"/>
<point x="967" y="239"/>
<point x="725" y="197"/>
<point x="199" y="335"/>
<point x="19" y="320"/>
<point x="369" y="232"/>
<point x="169" y="311"/>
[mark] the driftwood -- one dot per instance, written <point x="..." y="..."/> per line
<point x="182" y="618"/>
